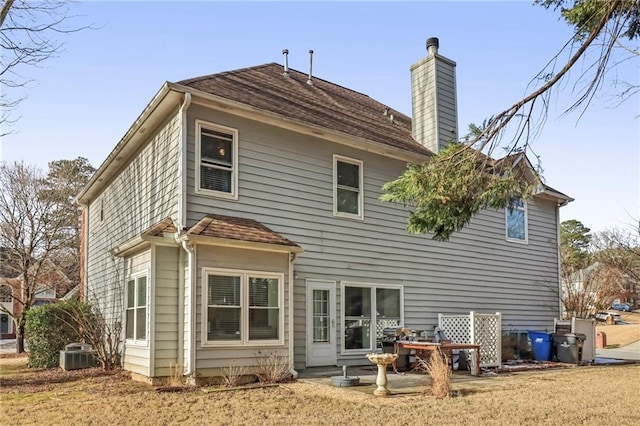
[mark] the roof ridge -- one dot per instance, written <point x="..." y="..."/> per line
<point x="223" y="73"/>
<point x="256" y="67"/>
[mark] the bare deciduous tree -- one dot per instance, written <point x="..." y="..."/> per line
<point x="620" y="249"/>
<point x="31" y="32"/>
<point x="30" y="233"/>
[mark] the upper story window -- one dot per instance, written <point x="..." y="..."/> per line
<point x="136" y="319"/>
<point x="516" y="221"/>
<point x="217" y="160"/>
<point x="242" y="308"/>
<point x="5" y="293"/>
<point x="347" y="188"/>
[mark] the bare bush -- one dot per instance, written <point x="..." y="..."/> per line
<point x="176" y="377"/>
<point x="232" y="375"/>
<point x="102" y="335"/>
<point x="272" y="368"/>
<point x="438" y="369"/>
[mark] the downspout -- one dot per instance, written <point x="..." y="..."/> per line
<point x="180" y="322"/>
<point x="294" y="373"/>
<point x="191" y="368"/>
<point x="558" y="243"/>
<point x="182" y="164"/>
<point x="85" y="250"/>
<point x="182" y="209"/>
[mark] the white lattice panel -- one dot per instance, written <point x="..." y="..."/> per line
<point x="481" y="329"/>
<point x="381" y="324"/>
<point x="456" y="327"/>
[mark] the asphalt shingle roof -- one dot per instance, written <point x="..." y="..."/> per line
<point x="236" y="228"/>
<point x="323" y="104"/>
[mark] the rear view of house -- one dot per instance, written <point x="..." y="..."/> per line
<point x="240" y="216"/>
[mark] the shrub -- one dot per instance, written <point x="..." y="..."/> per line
<point x="438" y="368"/>
<point x="272" y="368"/>
<point x="49" y="329"/>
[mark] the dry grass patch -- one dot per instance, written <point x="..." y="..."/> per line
<point x="439" y="372"/>
<point x="561" y="397"/>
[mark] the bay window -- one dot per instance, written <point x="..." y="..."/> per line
<point x="242" y="307"/>
<point x="136" y="312"/>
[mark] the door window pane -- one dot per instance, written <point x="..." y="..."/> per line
<point x="357" y="301"/>
<point x="321" y="315"/>
<point x="388" y="302"/>
<point x="357" y="334"/>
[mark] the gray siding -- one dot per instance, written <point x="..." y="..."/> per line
<point x="285" y="182"/>
<point x="136" y="357"/>
<point x="166" y="311"/>
<point x="141" y="194"/>
<point x="209" y="360"/>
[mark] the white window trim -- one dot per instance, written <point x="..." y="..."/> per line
<point x="244" y="308"/>
<point x="233" y="195"/>
<point x="134" y="276"/>
<point x="526" y="224"/>
<point x="373" y="316"/>
<point x="44" y="293"/>
<point x="360" y="164"/>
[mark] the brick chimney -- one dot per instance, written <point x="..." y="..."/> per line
<point x="433" y="99"/>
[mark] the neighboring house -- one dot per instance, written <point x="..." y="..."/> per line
<point x="51" y="284"/>
<point x="601" y="286"/>
<point x="240" y="214"/>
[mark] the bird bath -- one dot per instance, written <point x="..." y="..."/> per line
<point x="382" y="361"/>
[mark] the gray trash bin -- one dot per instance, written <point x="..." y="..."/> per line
<point x="568" y="347"/>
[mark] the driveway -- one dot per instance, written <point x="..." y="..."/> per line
<point x="630" y="352"/>
<point x="7" y="346"/>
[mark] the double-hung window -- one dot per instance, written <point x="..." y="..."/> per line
<point x="516" y="221"/>
<point x="242" y="308"/>
<point x="217" y="152"/>
<point x="347" y="188"/>
<point x="136" y="319"/>
<point x="367" y="310"/>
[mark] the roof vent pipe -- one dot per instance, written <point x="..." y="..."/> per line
<point x="309" y="81"/>
<point x="285" y="52"/>
<point x="432" y="45"/>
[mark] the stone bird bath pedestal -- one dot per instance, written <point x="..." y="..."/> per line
<point x="382" y="361"/>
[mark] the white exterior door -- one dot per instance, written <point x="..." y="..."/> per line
<point x="321" y="323"/>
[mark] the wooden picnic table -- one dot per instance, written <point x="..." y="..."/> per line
<point x="423" y="349"/>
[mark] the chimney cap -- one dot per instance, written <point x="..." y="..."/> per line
<point x="432" y="45"/>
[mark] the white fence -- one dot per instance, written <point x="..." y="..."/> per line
<point x="480" y="329"/>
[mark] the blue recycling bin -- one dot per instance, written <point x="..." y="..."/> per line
<point x="541" y="343"/>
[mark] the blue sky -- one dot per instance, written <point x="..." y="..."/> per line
<point x="82" y="103"/>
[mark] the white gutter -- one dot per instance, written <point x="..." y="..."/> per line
<point x="191" y="341"/>
<point x="182" y="164"/>
<point x="294" y="373"/>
